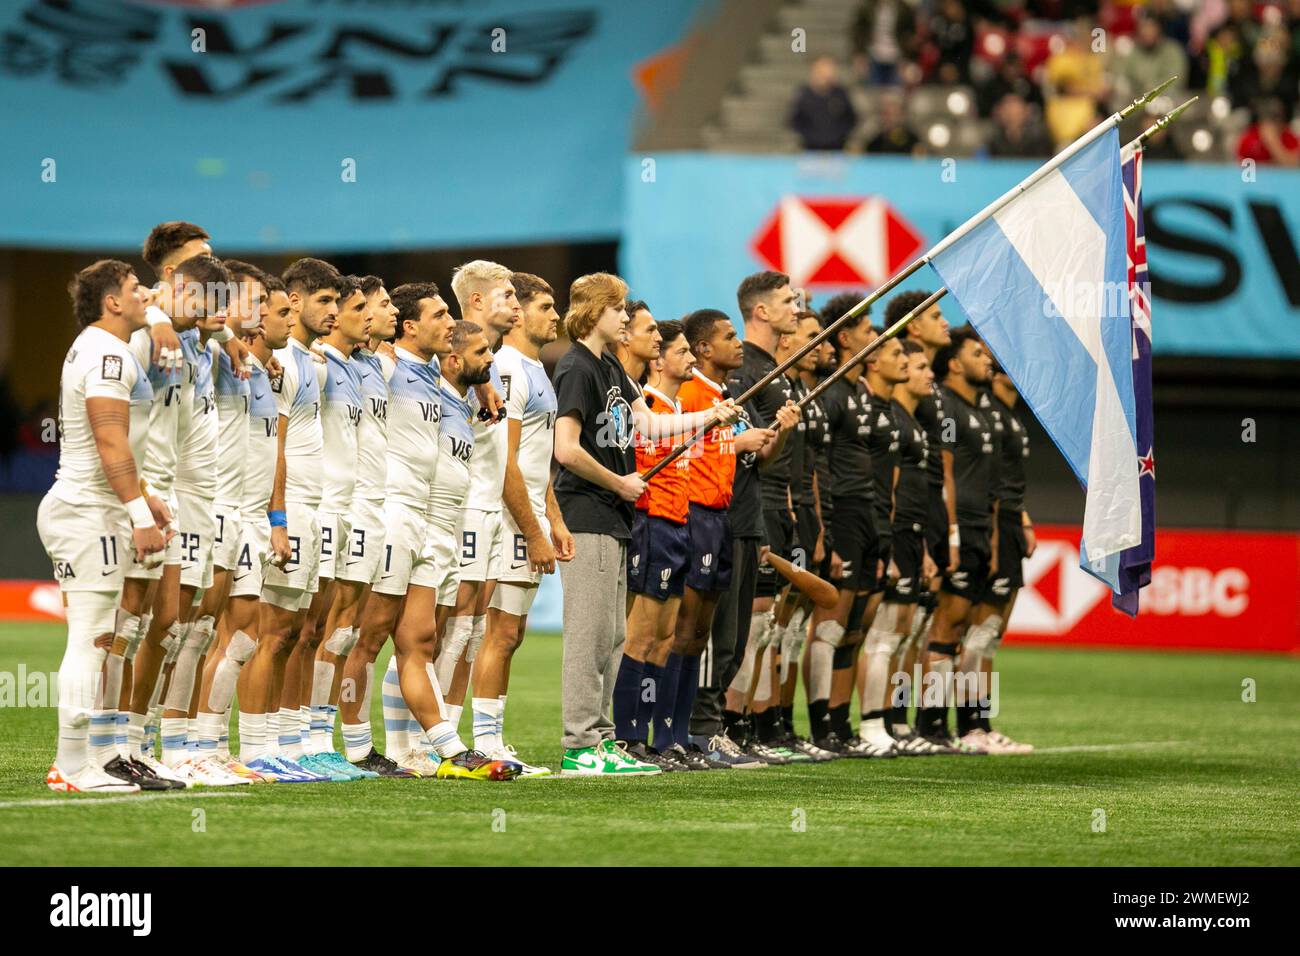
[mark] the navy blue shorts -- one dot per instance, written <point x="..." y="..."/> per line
<point x="710" y="549"/>
<point x="657" y="557"/>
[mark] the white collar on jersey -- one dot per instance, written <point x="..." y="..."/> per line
<point x="670" y="402"/>
<point x="708" y="381"/>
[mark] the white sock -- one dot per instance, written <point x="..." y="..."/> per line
<point x="397" y="739"/>
<point x="173" y="740"/>
<point x="252" y="736"/>
<point x="289" y="738"/>
<point x="443" y="740"/>
<point x="489" y="715"/>
<point x="357" y="740"/>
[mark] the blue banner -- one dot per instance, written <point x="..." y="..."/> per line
<point x="327" y="125"/>
<point x="1221" y="241"/>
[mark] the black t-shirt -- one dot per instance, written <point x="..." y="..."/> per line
<point x="974" y="463"/>
<point x="746" y="511"/>
<point x="801" y="450"/>
<point x="883" y="443"/>
<point x="1012" y="452"/>
<point x="929" y="415"/>
<point x="911" y="494"/>
<point x="599" y="392"/>
<point x="774" y="476"/>
<point x="848" y="414"/>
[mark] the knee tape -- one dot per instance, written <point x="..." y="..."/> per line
<point x="90" y="614"/>
<point x="476" y="636"/>
<point x="204" y="633"/>
<point x="459" y="631"/>
<point x="763" y="629"/>
<point x="172" y="641"/>
<point x="820" y="664"/>
<point x="996" y="640"/>
<point x="126" y="632"/>
<point x="886" y="618"/>
<point x="341" y="642"/>
<point x="241" y="648"/>
<point x="980" y="637"/>
<point x="830" y="632"/>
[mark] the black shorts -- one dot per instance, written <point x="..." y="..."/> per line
<point x="857" y="545"/>
<point x="805" y="531"/>
<point x="1010" y="576"/>
<point x="657" y="557"/>
<point x="936" y="528"/>
<point x="709" y="531"/>
<point x="884" y="533"/>
<point x="972" y="572"/>
<point x="779" y="525"/>
<point x="907" y="554"/>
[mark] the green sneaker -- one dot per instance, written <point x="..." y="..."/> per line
<point x="630" y="765"/>
<point x="794" y="756"/>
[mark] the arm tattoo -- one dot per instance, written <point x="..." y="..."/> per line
<point x="120" y="469"/>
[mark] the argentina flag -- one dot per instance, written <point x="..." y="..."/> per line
<point x="1044" y="280"/>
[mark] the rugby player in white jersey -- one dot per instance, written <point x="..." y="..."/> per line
<point x="534" y="533"/>
<point x="195" y="293"/>
<point x="95" y="515"/>
<point x="244" y="318"/>
<point x="207" y="290"/>
<point x="341" y="402"/>
<point x="259" y="545"/>
<point x="287" y="589"/>
<point x="360" y="553"/>
<point x="148" y="605"/>
<point x="487" y="298"/>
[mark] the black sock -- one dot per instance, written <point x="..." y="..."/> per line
<point x="932" y="720"/>
<point x="897" y="718"/>
<point x="840" y="721"/>
<point x="765" y="725"/>
<point x="819" y="718"/>
<point x="965" y="719"/>
<point x="787" y="719"/>
<point x="731" y="721"/>
<point x="873" y="714"/>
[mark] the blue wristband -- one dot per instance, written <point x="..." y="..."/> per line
<point x="278" y="519"/>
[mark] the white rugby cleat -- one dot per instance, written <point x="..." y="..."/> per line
<point x="89" y="779"/>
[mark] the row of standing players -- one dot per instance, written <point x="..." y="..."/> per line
<point x="323" y="505"/>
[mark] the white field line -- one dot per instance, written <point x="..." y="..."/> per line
<point x="124" y="798"/>
<point x="1098" y="748"/>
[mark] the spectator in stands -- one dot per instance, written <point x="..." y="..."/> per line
<point x="1174" y="22"/>
<point x="1017" y="132"/>
<point x="1241" y="17"/>
<point x="1266" y="74"/>
<point x="1268" y="140"/>
<point x="1222" y="60"/>
<point x="1151" y="60"/>
<point x="822" y="114"/>
<point x="894" y="135"/>
<point x="884" y="35"/>
<point x="954" y="35"/>
<point x="1076" y="85"/>
<point x="1009" y="76"/>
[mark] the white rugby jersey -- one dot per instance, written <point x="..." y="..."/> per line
<point x="263" y="425"/>
<point x="372" y="431"/>
<point x="162" y="446"/>
<point x="196" y="470"/>
<point x="488" y="473"/>
<point x="456" y="444"/>
<point x="414" y="411"/>
<point x="530" y="400"/>
<point x="98" y="365"/>
<point x="297" y="396"/>
<point x="232" y="431"/>
<point x="340" y="416"/>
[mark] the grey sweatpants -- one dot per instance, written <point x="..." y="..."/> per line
<point x="595" y="599"/>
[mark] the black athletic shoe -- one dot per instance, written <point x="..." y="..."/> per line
<point x="761" y="751"/>
<point x="831" y="742"/>
<point x="945" y="744"/>
<point x="673" y="755"/>
<point x="122" y="770"/>
<point x="695" y="751"/>
<point x="144" y="770"/>
<point x="691" y="759"/>
<point x="647" y="754"/>
<point x="803" y="745"/>
<point x="376" y="762"/>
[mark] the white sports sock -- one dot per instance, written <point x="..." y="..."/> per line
<point x="135" y="733"/>
<point x="89" y="614"/>
<point x="443" y="740"/>
<point x="208" y="731"/>
<point x="397" y="740"/>
<point x="357" y="740"/>
<point x="289" y="737"/>
<point x="489" y="716"/>
<point x="173" y="740"/>
<point x="453" y="713"/>
<point x="252" y="736"/>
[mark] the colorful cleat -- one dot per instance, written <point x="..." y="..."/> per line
<point x="507" y="754"/>
<point x="239" y="770"/>
<point x="281" y="770"/>
<point x="473" y="765"/>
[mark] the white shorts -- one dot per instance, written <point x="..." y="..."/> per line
<point x="197" y="522"/>
<point x="333" y="539"/>
<point x="365" y="542"/>
<point x="225" y="546"/>
<point x="251" y="554"/>
<point x="172" y="553"/>
<point x="514" y="559"/>
<point x="480" y="535"/>
<point x="89" y="545"/>
<point x="405" y="562"/>
<point x="440" y="551"/>
<point x="302" y="571"/>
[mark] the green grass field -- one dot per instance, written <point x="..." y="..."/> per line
<point x="1184" y="770"/>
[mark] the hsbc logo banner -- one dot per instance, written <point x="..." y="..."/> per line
<point x="1223" y="254"/>
<point x="1210" y="590"/>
